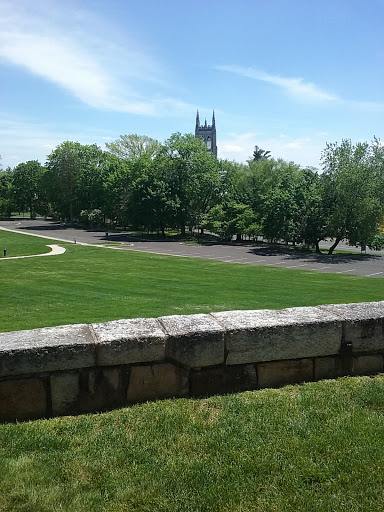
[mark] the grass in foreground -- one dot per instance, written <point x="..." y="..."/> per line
<point x="314" y="447"/>
<point x="90" y="284"/>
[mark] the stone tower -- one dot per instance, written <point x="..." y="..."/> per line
<point x="207" y="133"/>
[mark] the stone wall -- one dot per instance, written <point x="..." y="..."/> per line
<point x="75" y="369"/>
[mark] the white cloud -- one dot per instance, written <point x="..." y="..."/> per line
<point x="302" y="150"/>
<point x="59" y="61"/>
<point x="25" y="139"/>
<point x="59" y="44"/>
<point x="300" y="89"/>
<point x="294" y="86"/>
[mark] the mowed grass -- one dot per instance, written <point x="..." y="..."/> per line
<point x="22" y="245"/>
<point x="316" y="447"/>
<point x="91" y="284"/>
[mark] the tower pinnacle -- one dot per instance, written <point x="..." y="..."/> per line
<point x="207" y="133"/>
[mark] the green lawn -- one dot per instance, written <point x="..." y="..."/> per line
<point x="316" y="447"/>
<point x="91" y="284"/>
<point x="22" y="245"/>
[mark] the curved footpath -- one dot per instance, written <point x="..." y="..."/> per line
<point x="55" y="250"/>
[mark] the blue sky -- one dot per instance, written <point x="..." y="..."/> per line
<point x="287" y="75"/>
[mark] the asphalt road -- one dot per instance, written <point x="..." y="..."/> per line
<point x="370" y="265"/>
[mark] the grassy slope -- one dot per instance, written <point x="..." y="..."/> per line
<point x="88" y="284"/>
<point x="22" y="245"/>
<point x="316" y="447"/>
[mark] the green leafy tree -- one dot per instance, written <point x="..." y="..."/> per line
<point x="73" y="178"/>
<point x="352" y="191"/>
<point x="152" y="205"/>
<point x="117" y="186"/>
<point x="132" y="146"/>
<point x="277" y="191"/>
<point x="376" y="243"/>
<point x="6" y="192"/>
<point x="27" y="186"/>
<point x="194" y="176"/>
<point x="231" y="218"/>
<point x="260" y="154"/>
<point x="314" y="212"/>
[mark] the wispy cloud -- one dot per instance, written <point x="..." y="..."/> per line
<point x="30" y="139"/>
<point x="61" y="45"/>
<point x="300" y="89"/>
<point x="294" y="86"/>
<point x="303" y="150"/>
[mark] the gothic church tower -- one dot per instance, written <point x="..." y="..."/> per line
<point x="207" y="133"/>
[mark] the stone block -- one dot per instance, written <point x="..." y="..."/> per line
<point x="88" y="390"/>
<point x="329" y="368"/>
<point x="363" y="324"/>
<point x="367" y="365"/>
<point x="279" y="373"/>
<point x="65" y="391"/>
<point x="223" y="379"/>
<point x="355" y="311"/>
<point x="149" y="382"/>
<point x="130" y="341"/>
<point x="45" y="350"/>
<point x="23" y="399"/>
<point x="194" y="340"/>
<point x="269" y="335"/>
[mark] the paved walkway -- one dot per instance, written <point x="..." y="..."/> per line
<point x="369" y="265"/>
<point x="55" y="250"/>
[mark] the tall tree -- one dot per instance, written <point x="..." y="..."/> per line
<point x="152" y="205"/>
<point x="231" y="218"/>
<point x="132" y="146"/>
<point x="27" y="185"/>
<point x="260" y="154"/>
<point x="116" y="185"/>
<point x="353" y="191"/>
<point x="73" y="172"/>
<point x="194" y="176"/>
<point x="6" y="192"/>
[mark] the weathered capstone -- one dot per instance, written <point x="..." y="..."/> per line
<point x="22" y="399"/>
<point x="363" y="324"/>
<point x="45" y="350"/>
<point x="148" y="382"/>
<point x="194" y="340"/>
<point x="279" y="373"/>
<point x="129" y="341"/>
<point x="269" y="335"/>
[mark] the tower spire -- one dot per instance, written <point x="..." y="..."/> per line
<point x="207" y="133"/>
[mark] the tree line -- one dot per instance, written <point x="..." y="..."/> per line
<point x="144" y="185"/>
